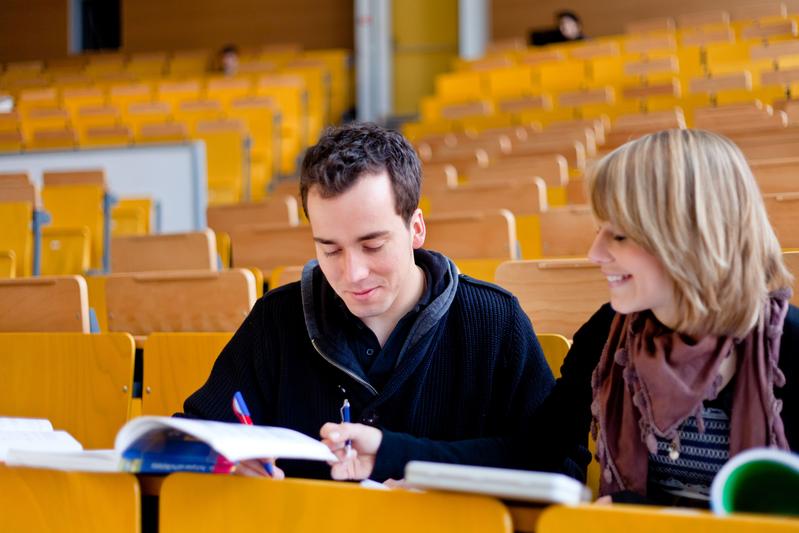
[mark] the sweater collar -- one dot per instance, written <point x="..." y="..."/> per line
<point x="329" y="340"/>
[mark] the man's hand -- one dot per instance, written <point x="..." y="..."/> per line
<point x="360" y="462"/>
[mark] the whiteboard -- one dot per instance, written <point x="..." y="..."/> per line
<point x="172" y="174"/>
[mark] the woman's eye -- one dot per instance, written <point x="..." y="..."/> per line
<point x="619" y="238"/>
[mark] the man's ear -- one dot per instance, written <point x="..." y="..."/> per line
<point x="418" y="229"/>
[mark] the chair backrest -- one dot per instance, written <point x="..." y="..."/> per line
<point x="555" y="348"/>
<point x="44" y="304"/>
<point x="607" y="518"/>
<point x="8" y="264"/>
<point x="275" y="210"/>
<point x="776" y="175"/>
<point x="191" y="502"/>
<point x="14" y="178"/>
<point x="778" y="148"/>
<point x="553" y="169"/>
<point x="15" y="219"/>
<point x="176" y="365"/>
<point x="81" y="383"/>
<point x="628" y="127"/>
<point x="791" y="260"/>
<point x="284" y="275"/>
<point x="559" y="296"/>
<point x="567" y="231"/>
<point x="473" y="235"/>
<point x="438" y="176"/>
<point x="267" y="246"/>
<point x="74" y="177"/>
<point x="179" y="301"/>
<point x="722" y="82"/>
<point x="49" y="500"/>
<point x="132" y="216"/>
<point x="167" y="251"/>
<point x="521" y="196"/>
<point x="65" y="251"/>
<point x="783" y="213"/>
<point x="226" y="157"/>
<point x="16" y="191"/>
<point x="75" y="199"/>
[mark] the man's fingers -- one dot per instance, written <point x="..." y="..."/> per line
<point x="339" y="432"/>
<point x="250" y="469"/>
<point x="277" y="472"/>
<point x="259" y="468"/>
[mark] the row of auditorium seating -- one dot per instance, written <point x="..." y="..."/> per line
<point x="182" y="320"/>
<point x="517" y="211"/>
<point x="65" y="228"/>
<point x="109" y="69"/>
<point x="48" y="500"/>
<point x="559" y="295"/>
<point x="254" y="125"/>
<point x="654" y="69"/>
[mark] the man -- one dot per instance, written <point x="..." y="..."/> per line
<point x="569" y="28"/>
<point x="435" y="365"/>
<point x="228" y="60"/>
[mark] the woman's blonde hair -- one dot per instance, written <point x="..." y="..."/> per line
<point x="689" y="198"/>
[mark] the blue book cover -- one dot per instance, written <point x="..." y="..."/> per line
<point x="162" y="452"/>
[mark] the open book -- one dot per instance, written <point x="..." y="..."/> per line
<point x="156" y="444"/>
<point x="519" y="485"/>
<point x="760" y="480"/>
<point x="33" y="434"/>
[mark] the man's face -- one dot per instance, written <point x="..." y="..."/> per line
<point x="364" y="247"/>
<point x="569" y="27"/>
<point x="230" y="62"/>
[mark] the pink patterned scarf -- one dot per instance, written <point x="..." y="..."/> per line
<point x="650" y="379"/>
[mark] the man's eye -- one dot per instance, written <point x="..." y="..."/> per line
<point x="332" y="253"/>
<point x="373" y="249"/>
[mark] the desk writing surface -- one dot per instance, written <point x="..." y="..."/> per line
<point x="47" y="500"/>
<point x="197" y="503"/>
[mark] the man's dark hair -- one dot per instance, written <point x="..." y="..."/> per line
<point x="229" y="49"/>
<point x="344" y="154"/>
<point x="568" y="14"/>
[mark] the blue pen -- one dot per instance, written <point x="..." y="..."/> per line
<point x="243" y="414"/>
<point x="345" y="418"/>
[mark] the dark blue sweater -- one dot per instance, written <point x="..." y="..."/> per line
<point x="470" y="376"/>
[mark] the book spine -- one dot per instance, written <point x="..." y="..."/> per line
<point x="160" y="464"/>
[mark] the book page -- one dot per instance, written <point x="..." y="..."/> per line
<point x="24" y="424"/>
<point x="83" y="461"/>
<point x="46" y="441"/>
<point x="235" y="441"/>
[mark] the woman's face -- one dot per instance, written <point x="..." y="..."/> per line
<point x="636" y="278"/>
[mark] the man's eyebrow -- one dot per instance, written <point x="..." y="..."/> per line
<point x="367" y="237"/>
<point x="373" y="235"/>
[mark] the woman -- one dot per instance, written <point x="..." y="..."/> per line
<point x="693" y="360"/>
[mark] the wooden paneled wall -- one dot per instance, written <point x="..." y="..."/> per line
<point x="514" y="18"/>
<point x="33" y="29"/>
<point x="180" y="24"/>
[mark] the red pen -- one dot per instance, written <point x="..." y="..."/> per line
<point x="243" y="414"/>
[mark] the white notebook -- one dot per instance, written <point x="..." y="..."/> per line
<point x="34" y="434"/>
<point x="165" y="444"/>
<point x="522" y="485"/>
